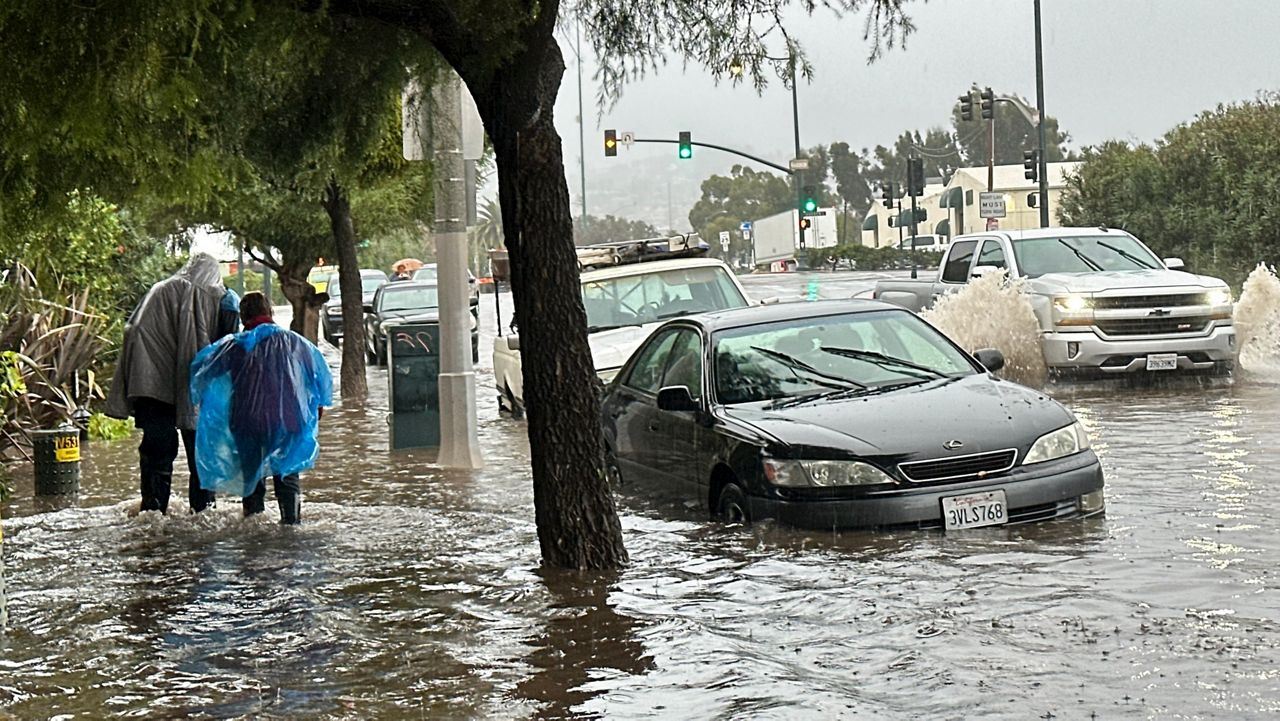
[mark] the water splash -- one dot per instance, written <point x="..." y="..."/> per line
<point x="1257" y="323"/>
<point x="992" y="312"/>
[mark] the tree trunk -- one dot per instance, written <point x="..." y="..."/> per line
<point x="302" y="297"/>
<point x="577" y="521"/>
<point x="336" y="204"/>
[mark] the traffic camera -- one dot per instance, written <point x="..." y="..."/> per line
<point x="610" y="143"/>
<point x="686" y="145"/>
<point x="988" y="104"/>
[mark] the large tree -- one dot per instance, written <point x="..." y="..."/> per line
<point x="744" y="194"/>
<point x="1014" y="133"/>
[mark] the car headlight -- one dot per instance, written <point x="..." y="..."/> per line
<point x="823" y="474"/>
<point x="334" y="311"/>
<point x="1062" y="442"/>
<point x="1072" y="303"/>
<point x="1220" y="296"/>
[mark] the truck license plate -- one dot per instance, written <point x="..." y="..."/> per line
<point x="1162" y="362"/>
<point x="974" y="510"/>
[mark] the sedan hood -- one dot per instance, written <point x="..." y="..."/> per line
<point x="1160" y="280"/>
<point x="612" y="348"/>
<point x="411" y="315"/>
<point x="977" y="410"/>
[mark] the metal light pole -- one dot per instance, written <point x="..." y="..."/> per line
<point x="582" y="143"/>
<point x="1044" y="176"/>
<point x="795" y="122"/>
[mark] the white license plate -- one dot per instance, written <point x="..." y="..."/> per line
<point x="1162" y="362"/>
<point x="974" y="510"/>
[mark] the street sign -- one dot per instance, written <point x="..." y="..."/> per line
<point x="627" y="137"/>
<point x="993" y="224"/>
<point x="746" y="235"/>
<point x="724" y="240"/>
<point x="813" y="213"/>
<point x="745" y="226"/>
<point x="798" y="164"/>
<point x="991" y="205"/>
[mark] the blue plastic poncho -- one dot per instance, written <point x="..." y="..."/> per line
<point x="259" y="393"/>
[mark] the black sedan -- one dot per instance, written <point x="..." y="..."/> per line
<point x="404" y="302"/>
<point x="331" y="313"/>
<point x="841" y="414"/>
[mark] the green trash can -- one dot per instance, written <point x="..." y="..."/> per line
<point x="413" y="372"/>
<point x="57" y="461"/>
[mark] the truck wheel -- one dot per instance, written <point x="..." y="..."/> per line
<point x="732" y="505"/>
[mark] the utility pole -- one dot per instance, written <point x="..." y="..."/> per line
<point x="795" y="122"/>
<point x="459" y="444"/>
<point x="1044" y="175"/>
<point x="582" y="143"/>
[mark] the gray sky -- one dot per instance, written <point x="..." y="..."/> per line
<point x="1128" y="69"/>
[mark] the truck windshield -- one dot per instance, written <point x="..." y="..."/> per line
<point x="1082" y="254"/>
<point x="651" y="297"/>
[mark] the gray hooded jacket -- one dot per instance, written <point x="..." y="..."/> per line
<point x="176" y="318"/>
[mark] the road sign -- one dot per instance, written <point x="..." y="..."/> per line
<point x="724" y="240"/>
<point x="627" y="137"/>
<point x="745" y="226"/>
<point x="993" y="224"/>
<point x="991" y="205"/>
<point x="798" y="164"/>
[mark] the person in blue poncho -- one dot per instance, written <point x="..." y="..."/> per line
<point x="261" y="393"/>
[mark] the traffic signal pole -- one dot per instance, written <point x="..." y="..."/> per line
<point x="1044" y="175"/>
<point x="795" y="121"/>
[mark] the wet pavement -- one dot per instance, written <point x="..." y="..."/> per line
<point x="412" y="592"/>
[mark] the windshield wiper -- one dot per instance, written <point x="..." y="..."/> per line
<point x="1084" y="258"/>
<point x="832" y="381"/>
<point x="598" y="328"/>
<point x="883" y="360"/>
<point x="1127" y="255"/>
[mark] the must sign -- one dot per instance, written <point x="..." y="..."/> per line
<point x="991" y="205"/>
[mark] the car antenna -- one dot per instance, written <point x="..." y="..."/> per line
<point x="1103" y="227"/>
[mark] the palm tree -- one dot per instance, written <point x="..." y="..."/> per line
<point x="486" y="234"/>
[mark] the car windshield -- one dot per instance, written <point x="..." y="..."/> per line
<point x="856" y="353"/>
<point x="368" y="284"/>
<point x="1082" y="254"/>
<point x="426" y="272"/>
<point x="409" y="298"/>
<point x="651" y="297"/>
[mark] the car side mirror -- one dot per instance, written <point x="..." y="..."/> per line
<point x="1174" y="264"/>
<point x="676" y="398"/>
<point x="368" y="307"/>
<point x="513" y="342"/>
<point x="982" y="270"/>
<point x="989" y="358"/>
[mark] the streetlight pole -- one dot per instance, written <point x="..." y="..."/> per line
<point x="1044" y="176"/>
<point x="795" y="122"/>
<point x="582" y="143"/>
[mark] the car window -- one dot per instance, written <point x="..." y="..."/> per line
<point x="651" y="297"/>
<point x="409" y="298"/>
<point x="992" y="254"/>
<point x="957" y="270"/>
<point x="684" y="363"/>
<point x="651" y="363"/>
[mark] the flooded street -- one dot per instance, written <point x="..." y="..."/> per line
<point x="411" y="592"/>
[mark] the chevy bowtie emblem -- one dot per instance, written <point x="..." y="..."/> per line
<point x="1160" y="312"/>
<point x="952" y="445"/>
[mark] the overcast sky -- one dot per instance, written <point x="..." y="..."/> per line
<point x="1128" y="69"/>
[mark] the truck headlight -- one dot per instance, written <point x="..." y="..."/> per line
<point x="1059" y="443"/>
<point x="823" y="474"/>
<point x="1072" y="303"/>
<point x="1220" y="296"/>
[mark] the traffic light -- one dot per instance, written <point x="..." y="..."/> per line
<point x="610" y="143"/>
<point x="915" y="176"/>
<point x="804" y="224"/>
<point x="886" y="194"/>
<point x="966" y="107"/>
<point x="808" y="200"/>
<point x="988" y="104"/>
<point x="686" y="145"/>
<point x="1031" y="161"/>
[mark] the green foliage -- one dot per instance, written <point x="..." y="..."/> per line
<point x="1014" y="134"/>
<point x="103" y="428"/>
<point x="1206" y="192"/>
<point x="744" y="194"/>
<point x="610" y="228"/>
<point x="864" y="258"/>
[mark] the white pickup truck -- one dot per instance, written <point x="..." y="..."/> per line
<point x="624" y="304"/>
<point x="1105" y="302"/>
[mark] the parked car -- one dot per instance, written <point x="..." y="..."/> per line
<point x="926" y="243"/>
<point x="429" y="273"/>
<point x="624" y="304"/>
<point x="841" y="414"/>
<point x="331" y="313"/>
<point x="1104" y="301"/>
<point x="405" y="301"/>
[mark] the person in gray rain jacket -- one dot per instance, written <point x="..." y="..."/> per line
<point x="176" y="318"/>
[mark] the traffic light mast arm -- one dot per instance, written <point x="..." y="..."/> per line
<point x="713" y="146"/>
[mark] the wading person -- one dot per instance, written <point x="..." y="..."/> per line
<point x="176" y="318"/>
<point x="261" y="394"/>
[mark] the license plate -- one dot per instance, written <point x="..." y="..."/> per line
<point x="1162" y="362"/>
<point x="974" y="510"/>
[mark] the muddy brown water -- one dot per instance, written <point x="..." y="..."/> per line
<point x="411" y="592"/>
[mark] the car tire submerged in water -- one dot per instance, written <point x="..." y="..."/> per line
<point x="732" y="507"/>
<point x="612" y="472"/>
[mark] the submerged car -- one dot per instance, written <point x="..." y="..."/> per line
<point x="331" y="314"/>
<point x="841" y="414"/>
<point x="400" y="302"/>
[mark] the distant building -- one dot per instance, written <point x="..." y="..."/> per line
<point x="952" y="209"/>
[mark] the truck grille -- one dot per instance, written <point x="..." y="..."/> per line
<point x="1151" y="301"/>
<point x="974" y="465"/>
<point x="1154" y="325"/>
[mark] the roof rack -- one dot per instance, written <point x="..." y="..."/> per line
<point x="603" y="255"/>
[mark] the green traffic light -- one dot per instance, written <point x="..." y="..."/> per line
<point x="810" y="205"/>
<point x="686" y="152"/>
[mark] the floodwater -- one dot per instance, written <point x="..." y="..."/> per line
<point x="411" y="592"/>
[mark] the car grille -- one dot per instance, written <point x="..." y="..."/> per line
<point x="975" y="465"/>
<point x="1153" y="325"/>
<point x="1151" y="301"/>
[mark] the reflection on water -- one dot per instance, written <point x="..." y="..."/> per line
<point x="411" y="592"/>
